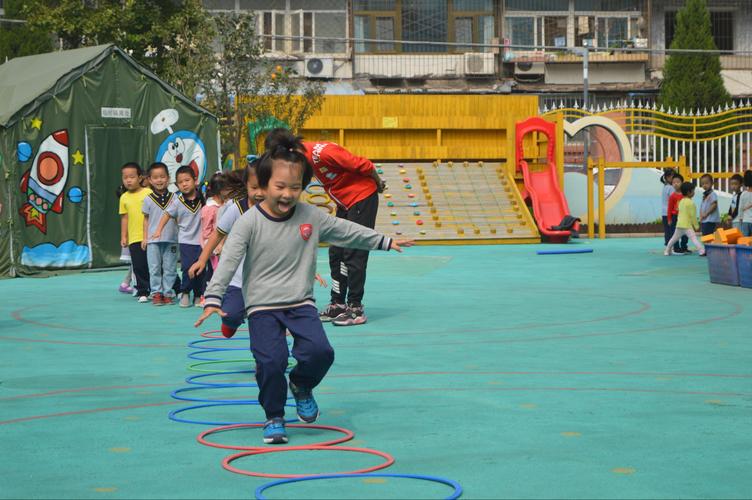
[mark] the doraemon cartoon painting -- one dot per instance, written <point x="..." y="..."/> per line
<point x="180" y="148"/>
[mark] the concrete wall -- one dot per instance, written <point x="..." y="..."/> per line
<point x="571" y="74"/>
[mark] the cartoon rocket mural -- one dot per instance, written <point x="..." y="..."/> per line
<point x="44" y="183"/>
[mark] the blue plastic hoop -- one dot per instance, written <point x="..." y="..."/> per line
<point x="192" y="379"/>
<point x="449" y="482"/>
<point x="196" y="355"/>
<point x="564" y="251"/>
<point x="176" y="394"/>
<point x="193" y="343"/>
<point x="173" y="414"/>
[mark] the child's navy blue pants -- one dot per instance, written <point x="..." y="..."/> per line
<point x="310" y="348"/>
<point x="189" y="254"/>
<point x="234" y="306"/>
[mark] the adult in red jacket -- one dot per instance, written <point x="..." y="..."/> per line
<point x="354" y="185"/>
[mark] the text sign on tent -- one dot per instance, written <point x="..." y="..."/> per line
<point x="116" y="112"/>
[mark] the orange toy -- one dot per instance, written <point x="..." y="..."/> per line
<point x="745" y="240"/>
<point x="709" y="238"/>
<point x="727" y="236"/>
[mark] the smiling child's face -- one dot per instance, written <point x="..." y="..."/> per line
<point x="284" y="189"/>
<point x="159" y="179"/>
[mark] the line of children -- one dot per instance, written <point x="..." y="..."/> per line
<point x="276" y="244"/>
<point x="686" y="223"/>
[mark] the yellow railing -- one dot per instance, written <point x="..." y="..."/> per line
<point x="602" y="165"/>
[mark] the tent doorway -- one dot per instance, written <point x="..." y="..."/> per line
<point x="108" y="149"/>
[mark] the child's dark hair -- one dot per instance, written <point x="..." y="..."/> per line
<point x="276" y="135"/>
<point x="133" y="165"/>
<point x="185" y="169"/>
<point x="678" y="176"/>
<point x="668" y="172"/>
<point x="236" y="180"/>
<point x="156" y="165"/>
<point x="216" y="184"/>
<point x="748" y="178"/>
<point x="687" y="188"/>
<point x="281" y="144"/>
<point x="707" y="176"/>
<point x="738" y="178"/>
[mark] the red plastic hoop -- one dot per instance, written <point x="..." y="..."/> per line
<point x="226" y="463"/>
<point x="208" y="335"/>
<point x="348" y="435"/>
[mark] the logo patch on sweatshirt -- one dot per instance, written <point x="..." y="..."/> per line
<point x="306" y="230"/>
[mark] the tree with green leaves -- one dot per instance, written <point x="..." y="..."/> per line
<point x="18" y="39"/>
<point x="247" y="87"/>
<point x="693" y="80"/>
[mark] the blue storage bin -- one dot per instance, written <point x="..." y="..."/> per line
<point x="744" y="265"/>
<point x="722" y="264"/>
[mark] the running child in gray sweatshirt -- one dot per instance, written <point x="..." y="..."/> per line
<point x="277" y="243"/>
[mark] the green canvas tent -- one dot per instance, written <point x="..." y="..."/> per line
<point x="68" y="121"/>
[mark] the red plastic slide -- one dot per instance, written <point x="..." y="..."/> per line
<point x="549" y="203"/>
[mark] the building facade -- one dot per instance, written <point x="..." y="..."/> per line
<point x="490" y="45"/>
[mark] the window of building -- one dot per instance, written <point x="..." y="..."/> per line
<point x="521" y="30"/>
<point x="608" y="5"/>
<point x="538" y="5"/>
<point x="721" y="25"/>
<point x="438" y="22"/>
<point x="723" y="29"/>
<point x="320" y="26"/>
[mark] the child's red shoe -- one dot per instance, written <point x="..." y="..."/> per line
<point x="227" y="331"/>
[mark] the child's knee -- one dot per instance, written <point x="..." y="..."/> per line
<point x="322" y="354"/>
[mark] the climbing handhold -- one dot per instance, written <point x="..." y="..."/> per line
<point x="408" y="186"/>
<point x="414" y="204"/>
<point x="390" y="204"/>
<point x="395" y="222"/>
<point x="406" y="179"/>
<point x="387" y="195"/>
<point x="380" y="171"/>
<point x="416" y="213"/>
<point x="422" y="231"/>
<point x="411" y="195"/>
<point x="419" y="222"/>
<point x="403" y="171"/>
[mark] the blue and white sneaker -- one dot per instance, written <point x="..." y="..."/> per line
<point x="274" y="431"/>
<point x="308" y="410"/>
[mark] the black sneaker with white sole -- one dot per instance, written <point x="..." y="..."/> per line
<point x="332" y="311"/>
<point x="355" y="315"/>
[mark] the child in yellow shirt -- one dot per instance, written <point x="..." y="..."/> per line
<point x="686" y="223"/>
<point x="132" y="225"/>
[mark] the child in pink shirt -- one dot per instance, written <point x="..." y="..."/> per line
<point x="216" y="195"/>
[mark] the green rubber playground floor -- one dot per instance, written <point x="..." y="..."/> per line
<point x="617" y="374"/>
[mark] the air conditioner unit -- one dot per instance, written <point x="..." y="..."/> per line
<point x="480" y="63"/>
<point x="318" y="67"/>
<point x="529" y="68"/>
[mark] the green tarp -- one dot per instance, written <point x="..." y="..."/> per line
<point x="68" y="121"/>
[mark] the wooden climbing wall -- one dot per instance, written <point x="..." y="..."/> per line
<point x="448" y="203"/>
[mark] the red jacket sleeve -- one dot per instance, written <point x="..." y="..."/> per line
<point x="671" y="207"/>
<point x="336" y="155"/>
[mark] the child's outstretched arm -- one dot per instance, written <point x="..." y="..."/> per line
<point x="233" y="254"/>
<point x="162" y="223"/>
<point x="347" y="234"/>
<point x="198" y="267"/>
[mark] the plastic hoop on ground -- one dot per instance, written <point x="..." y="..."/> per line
<point x="449" y="482"/>
<point x="227" y="462"/>
<point x="192" y="379"/>
<point x="348" y="435"/>
<point x="207" y="335"/>
<point x="562" y="252"/>
<point x="197" y="355"/>
<point x="195" y="366"/>
<point x="172" y="415"/>
<point x="176" y="394"/>
<point x="193" y="344"/>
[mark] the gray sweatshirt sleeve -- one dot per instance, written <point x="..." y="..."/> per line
<point x="233" y="253"/>
<point x="344" y="233"/>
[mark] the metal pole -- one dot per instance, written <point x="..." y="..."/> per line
<point x="586" y="143"/>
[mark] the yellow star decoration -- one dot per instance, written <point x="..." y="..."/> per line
<point x="36" y="123"/>
<point x="78" y="157"/>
